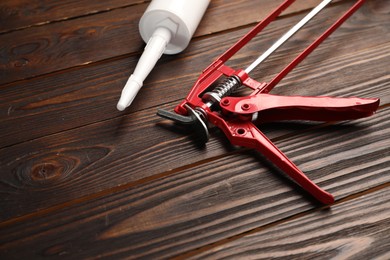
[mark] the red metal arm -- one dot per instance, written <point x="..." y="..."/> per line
<point x="275" y="108"/>
<point x="311" y="47"/>
<point x="246" y="134"/>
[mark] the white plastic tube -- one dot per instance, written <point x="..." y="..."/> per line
<point x="167" y="27"/>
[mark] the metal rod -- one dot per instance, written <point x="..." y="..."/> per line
<point x="287" y="35"/>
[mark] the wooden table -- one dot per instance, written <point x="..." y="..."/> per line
<point x="80" y="179"/>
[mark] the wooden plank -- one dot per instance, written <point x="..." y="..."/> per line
<point x="118" y="134"/>
<point x="357" y="229"/>
<point x="119" y="146"/>
<point x="74" y="165"/>
<point x="116" y="152"/>
<point x="16" y="15"/>
<point x="44" y="49"/>
<point x="131" y="185"/>
<point x="193" y="207"/>
<point x="76" y="42"/>
<point x="222" y="15"/>
<point x="56" y="102"/>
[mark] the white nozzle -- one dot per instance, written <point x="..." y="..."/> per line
<point x="129" y="92"/>
<point x="153" y="51"/>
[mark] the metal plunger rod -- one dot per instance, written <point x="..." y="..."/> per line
<point x="287" y="35"/>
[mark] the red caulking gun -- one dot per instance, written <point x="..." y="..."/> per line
<point x="209" y="103"/>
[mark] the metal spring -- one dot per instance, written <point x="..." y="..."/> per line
<point x="223" y="89"/>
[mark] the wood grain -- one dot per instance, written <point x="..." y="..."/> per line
<point x="357" y="229"/>
<point x="80" y="180"/>
<point x="16" y="15"/>
<point x="99" y="156"/>
<point x="197" y="206"/>
<point x="222" y="15"/>
<point x="40" y="50"/>
<point x="20" y="14"/>
<point x="54" y="103"/>
<point x="87" y="39"/>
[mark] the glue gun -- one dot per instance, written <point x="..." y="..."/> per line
<point x="209" y="103"/>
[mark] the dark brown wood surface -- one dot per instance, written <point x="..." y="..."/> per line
<point x="78" y="179"/>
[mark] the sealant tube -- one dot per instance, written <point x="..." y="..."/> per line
<point x="167" y="27"/>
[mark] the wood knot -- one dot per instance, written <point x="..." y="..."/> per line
<point x="91" y="32"/>
<point x="20" y="62"/>
<point x="39" y="170"/>
<point x="47" y="171"/>
<point x="49" y="168"/>
<point x="88" y="32"/>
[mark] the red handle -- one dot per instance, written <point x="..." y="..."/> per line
<point x="275" y="108"/>
<point x="248" y="135"/>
